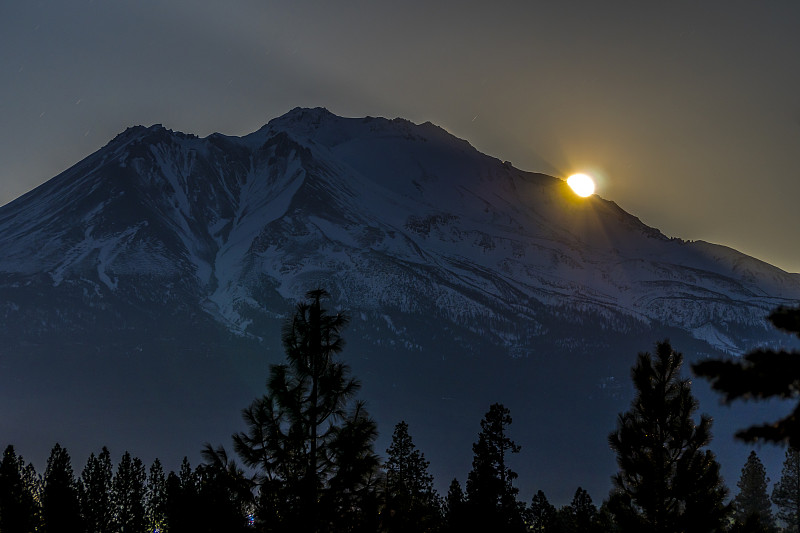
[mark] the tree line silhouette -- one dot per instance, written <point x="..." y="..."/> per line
<point x="309" y="465"/>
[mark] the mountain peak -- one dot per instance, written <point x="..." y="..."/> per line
<point x="151" y="134"/>
<point x="303" y="119"/>
<point x="303" y="114"/>
<point x="321" y="127"/>
<point x="387" y="212"/>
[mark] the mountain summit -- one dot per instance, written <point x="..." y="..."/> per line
<point x="395" y="219"/>
<point x="142" y="292"/>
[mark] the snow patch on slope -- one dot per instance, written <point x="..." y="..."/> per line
<point x="259" y="204"/>
<point x="710" y="334"/>
<point x="105" y="251"/>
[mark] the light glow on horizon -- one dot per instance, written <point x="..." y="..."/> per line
<point x="582" y="184"/>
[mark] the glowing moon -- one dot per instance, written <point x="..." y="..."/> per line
<point x="582" y="184"/>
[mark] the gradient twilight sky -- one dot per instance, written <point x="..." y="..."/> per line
<point x="687" y="113"/>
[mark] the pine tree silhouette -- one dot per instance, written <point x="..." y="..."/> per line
<point x="19" y="511"/>
<point x="127" y="492"/>
<point x="183" y="500"/>
<point x="412" y="504"/>
<point x="541" y="514"/>
<point x="311" y="443"/>
<point x="491" y="496"/>
<point x="786" y="492"/>
<point x="455" y="512"/>
<point x="752" y="499"/>
<point x="60" y="503"/>
<point x="762" y="374"/>
<point x="584" y="512"/>
<point x="666" y="482"/>
<point x="156" y="498"/>
<point x="95" y="493"/>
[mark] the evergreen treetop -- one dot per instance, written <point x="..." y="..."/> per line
<point x="541" y="514"/>
<point x="667" y="481"/>
<point x="491" y="495"/>
<point x="19" y="510"/>
<point x="455" y="515"/>
<point x="786" y="492"/>
<point x="752" y="499"/>
<point x="60" y="503"/>
<point x="156" y="498"/>
<point x="406" y="467"/>
<point x="95" y="493"/>
<point x="411" y="501"/>
<point x="307" y="434"/>
<point x="128" y="490"/>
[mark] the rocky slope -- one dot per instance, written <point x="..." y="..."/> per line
<point x="397" y="220"/>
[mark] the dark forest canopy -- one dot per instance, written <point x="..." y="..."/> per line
<point x="308" y="463"/>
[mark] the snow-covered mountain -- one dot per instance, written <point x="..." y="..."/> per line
<point x="396" y="220"/>
<point x="153" y="276"/>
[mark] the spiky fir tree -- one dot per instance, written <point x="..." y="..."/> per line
<point x="667" y="481"/>
<point x="491" y="495"/>
<point x="155" y="498"/>
<point x="19" y="510"/>
<point x="182" y="500"/>
<point x="752" y="499"/>
<point x="128" y="488"/>
<point x="95" y="492"/>
<point x="455" y="515"/>
<point x="298" y="433"/>
<point x="786" y="492"/>
<point x="583" y="512"/>
<point x="411" y="501"/>
<point x="60" y="503"/>
<point x="541" y="514"/>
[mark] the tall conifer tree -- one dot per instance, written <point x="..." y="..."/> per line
<point x="541" y="514"/>
<point x="307" y="433"/>
<point x="667" y="481"/>
<point x="95" y="493"/>
<point x="455" y="515"/>
<point x="752" y="499"/>
<point x="19" y="511"/>
<point x="156" y="498"/>
<point x="60" y="503"/>
<point x="412" y="504"/>
<point x="583" y="512"/>
<point x="128" y="489"/>
<point x="182" y="500"/>
<point x="786" y="492"/>
<point x="491" y="496"/>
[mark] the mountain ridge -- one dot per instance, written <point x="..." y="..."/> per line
<point x="221" y="207"/>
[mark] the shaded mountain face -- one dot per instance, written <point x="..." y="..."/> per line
<point x="165" y="264"/>
<point x="396" y="220"/>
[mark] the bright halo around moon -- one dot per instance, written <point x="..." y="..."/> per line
<point x="582" y="184"/>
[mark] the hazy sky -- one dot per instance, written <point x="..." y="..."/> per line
<point x="687" y="114"/>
